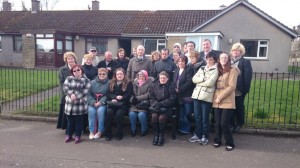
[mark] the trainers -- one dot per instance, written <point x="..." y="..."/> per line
<point x="91" y="136"/>
<point x="203" y="141"/>
<point x="194" y="139"/>
<point x="77" y="140"/>
<point x="68" y="139"/>
<point x="98" y="135"/>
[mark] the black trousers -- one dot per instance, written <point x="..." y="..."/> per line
<point x="239" y="113"/>
<point x="118" y="115"/>
<point x="223" y="119"/>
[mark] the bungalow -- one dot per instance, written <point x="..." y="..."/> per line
<point x="39" y="38"/>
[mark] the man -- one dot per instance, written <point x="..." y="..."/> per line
<point x="109" y="64"/>
<point x="206" y="48"/>
<point x="190" y="46"/>
<point x="96" y="59"/>
<point x="137" y="63"/>
<point x="164" y="64"/>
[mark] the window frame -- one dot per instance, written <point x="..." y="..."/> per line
<point x="99" y="41"/>
<point x="258" y="49"/>
<point x="14" y="43"/>
<point x="158" y="44"/>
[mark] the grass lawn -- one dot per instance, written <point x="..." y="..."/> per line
<point x="294" y="69"/>
<point x="18" y="83"/>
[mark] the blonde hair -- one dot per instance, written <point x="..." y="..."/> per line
<point x="69" y="54"/>
<point x="102" y="70"/>
<point x="238" y="46"/>
<point x="88" y="56"/>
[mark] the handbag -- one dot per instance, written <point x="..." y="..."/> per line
<point x="112" y="104"/>
<point x="143" y="105"/>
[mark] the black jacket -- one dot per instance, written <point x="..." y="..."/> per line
<point x="90" y="71"/>
<point x="123" y="63"/>
<point x="163" y="65"/>
<point x="112" y="64"/>
<point x="163" y="93"/>
<point x="185" y="85"/>
<point x="244" y="79"/>
<point x="125" y="94"/>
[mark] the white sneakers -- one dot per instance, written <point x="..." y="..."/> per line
<point x="91" y="136"/>
<point x="98" y="135"/>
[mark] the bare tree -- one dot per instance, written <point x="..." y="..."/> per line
<point x="23" y="6"/>
<point x="46" y="3"/>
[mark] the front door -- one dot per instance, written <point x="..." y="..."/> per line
<point x="45" y="52"/>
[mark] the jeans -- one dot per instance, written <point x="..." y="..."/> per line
<point x="142" y="118"/>
<point x="75" y="122"/>
<point x="202" y="124"/>
<point x="184" y="123"/>
<point x="96" y="114"/>
<point x="223" y="118"/>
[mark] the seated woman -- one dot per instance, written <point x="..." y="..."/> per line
<point x="162" y="99"/>
<point x="96" y="100"/>
<point x="76" y="88"/>
<point x="120" y="91"/>
<point x="139" y="102"/>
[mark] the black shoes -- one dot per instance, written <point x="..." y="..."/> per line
<point x="108" y="138"/>
<point x="229" y="148"/>
<point x="133" y="133"/>
<point x="155" y="139"/>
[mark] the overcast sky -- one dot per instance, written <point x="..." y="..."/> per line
<point x="285" y="11"/>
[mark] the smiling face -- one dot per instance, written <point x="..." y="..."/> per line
<point x="70" y="61"/>
<point x="236" y="53"/>
<point x="140" y="51"/>
<point x="210" y="61"/>
<point x="88" y="61"/>
<point x="77" y="72"/>
<point x="120" y="75"/>
<point x="224" y="59"/>
<point x="141" y="77"/>
<point x="121" y="54"/>
<point x="102" y="75"/>
<point x="163" y="79"/>
<point x="206" y="46"/>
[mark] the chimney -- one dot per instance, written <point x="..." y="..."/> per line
<point x="95" y="5"/>
<point x="6" y="6"/>
<point x="35" y="6"/>
<point x="222" y="7"/>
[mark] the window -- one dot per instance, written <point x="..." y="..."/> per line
<point x="45" y="45"/>
<point x="99" y="43"/>
<point x="215" y="41"/>
<point x="154" y="45"/>
<point x="17" y="43"/>
<point x="69" y="43"/>
<point x="256" y="48"/>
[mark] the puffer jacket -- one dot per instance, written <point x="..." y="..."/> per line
<point x="205" y="89"/>
<point x="141" y="92"/>
<point x="98" y="87"/>
<point x="79" y="87"/>
<point x="225" y="90"/>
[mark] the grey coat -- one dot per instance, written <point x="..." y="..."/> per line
<point x="98" y="87"/>
<point x="135" y="65"/>
<point x="63" y="73"/>
<point x="141" y="93"/>
<point x="79" y="87"/>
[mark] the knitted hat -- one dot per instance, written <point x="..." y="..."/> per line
<point x="177" y="44"/>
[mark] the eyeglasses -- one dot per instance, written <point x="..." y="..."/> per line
<point x="102" y="74"/>
<point x="93" y="50"/>
<point x="76" y="70"/>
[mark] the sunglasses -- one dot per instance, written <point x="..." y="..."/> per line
<point x="77" y="70"/>
<point x="102" y="74"/>
<point x="93" y="50"/>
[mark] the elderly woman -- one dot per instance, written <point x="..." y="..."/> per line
<point x="224" y="101"/>
<point x="119" y="94"/>
<point x="184" y="86"/>
<point x="76" y="88"/>
<point x="243" y="84"/>
<point x="155" y="56"/>
<point x="89" y="70"/>
<point x="139" y="102"/>
<point x="63" y="73"/>
<point x="122" y="60"/>
<point x="162" y="99"/>
<point x="97" y="103"/>
<point x="205" y="80"/>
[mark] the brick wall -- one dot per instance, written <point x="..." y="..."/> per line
<point x="28" y="51"/>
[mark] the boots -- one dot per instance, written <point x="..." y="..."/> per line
<point x="161" y="138"/>
<point x="155" y="131"/>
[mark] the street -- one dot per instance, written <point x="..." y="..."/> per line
<point x="39" y="144"/>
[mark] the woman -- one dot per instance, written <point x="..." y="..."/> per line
<point x="89" y="70"/>
<point x="176" y="58"/>
<point x="120" y="91"/>
<point x="63" y="73"/>
<point x="76" y="88"/>
<point x="205" y="80"/>
<point x="162" y="99"/>
<point x="139" y="102"/>
<point x="184" y="88"/>
<point x="122" y="60"/>
<point x="224" y="101"/>
<point x="155" y="56"/>
<point x="243" y="84"/>
<point x="195" y="64"/>
<point x="97" y="103"/>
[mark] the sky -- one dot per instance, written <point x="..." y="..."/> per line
<point x="285" y="11"/>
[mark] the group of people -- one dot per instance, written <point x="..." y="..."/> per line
<point x="101" y="93"/>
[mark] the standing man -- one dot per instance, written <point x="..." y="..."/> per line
<point x="137" y="63"/>
<point x="243" y="84"/>
<point x="206" y="48"/>
<point x="109" y="64"/>
<point x="164" y="64"/>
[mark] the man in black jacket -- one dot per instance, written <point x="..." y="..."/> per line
<point x="109" y="64"/>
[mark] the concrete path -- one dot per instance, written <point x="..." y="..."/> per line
<point x="38" y="144"/>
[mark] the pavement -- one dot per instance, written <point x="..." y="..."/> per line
<point x="30" y="144"/>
